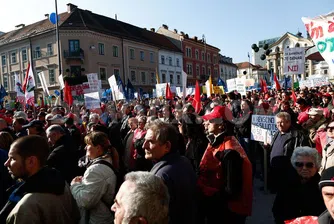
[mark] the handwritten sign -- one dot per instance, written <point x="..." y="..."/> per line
<point x="161" y="89"/>
<point x="231" y="85"/>
<point x="321" y="30"/>
<point x="78" y="92"/>
<point x="263" y="128"/>
<point x="294" y="60"/>
<point x="93" y="82"/>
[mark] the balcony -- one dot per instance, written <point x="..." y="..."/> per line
<point x="74" y="54"/>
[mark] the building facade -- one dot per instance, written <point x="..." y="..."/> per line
<point x="251" y="71"/>
<point x="89" y="43"/>
<point x="170" y="67"/>
<point x="228" y="70"/>
<point x="256" y="56"/>
<point x="200" y="60"/>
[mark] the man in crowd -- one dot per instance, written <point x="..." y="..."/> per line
<point x="303" y="108"/>
<point x="161" y="145"/>
<point x="142" y="198"/>
<point x="18" y="124"/>
<point x="35" y="127"/>
<point x="43" y="196"/>
<point x="326" y="185"/>
<point x="62" y="156"/>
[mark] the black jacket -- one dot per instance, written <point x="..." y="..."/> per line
<point x="295" y="199"/>
<point x="195" y="149"/>
<point x="325" y="218"/>
<point x="63" y="158"/>
<point x="243" y="124"/>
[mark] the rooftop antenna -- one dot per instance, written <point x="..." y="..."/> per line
<point x="115" y="16"/>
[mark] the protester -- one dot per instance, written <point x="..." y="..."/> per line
<point x="43" y="195"/>
<point x="18" y="126"/>
<point x="143" y="198"/>
<point x="176" y="171"/>
<point x="35" y="127"/>
<point x="326" y="185"/>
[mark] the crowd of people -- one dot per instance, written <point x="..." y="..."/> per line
<point x="160" y="161"/>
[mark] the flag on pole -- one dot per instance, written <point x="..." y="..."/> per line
<point x="29" y="86"/>
<point x="184" y="84"/>
<point x="278" y="86"/>
<point x="294" y="97"/>
<point x="130" y="90"/>
<point x="157" y="76"/>
<point x="18" y="89"/>
<point x="169" y="95"/>
<point x="209" y="87"/>
<point x="3" y="93"/>
<point x="68" y="98"/>
<point x="197" y="98"/>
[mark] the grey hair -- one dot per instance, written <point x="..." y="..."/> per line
<point x="286" y="116"/>
<point x="148" y="198"/>
<point x="94" y="116"/>
<point x="306" y="151"/>
<point x="55" y="128"/>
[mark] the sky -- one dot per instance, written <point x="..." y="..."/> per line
<point x="231" y="25"/>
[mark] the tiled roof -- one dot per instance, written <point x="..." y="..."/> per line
<point x="31" y="30"/>
<point x="246" y="64"/>
<point x="84" y="19"/>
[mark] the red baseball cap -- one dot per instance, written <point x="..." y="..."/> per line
<point x="219" y="112"/>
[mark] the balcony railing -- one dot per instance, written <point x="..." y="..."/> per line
<point x="74" y="54"/>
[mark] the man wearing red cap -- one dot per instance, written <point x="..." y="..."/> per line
<point x="225" y="177"/>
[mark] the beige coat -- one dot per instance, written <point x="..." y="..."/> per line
<point x="327" y="157"/>
<point x="45" y="208"/>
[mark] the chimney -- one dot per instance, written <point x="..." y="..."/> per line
<point x="195" y="38"/>
<point x="152" y="29"/>
<point x="175" y="30"/>
<point x="165" y="26"/>
<point x="187" y="36"/>
<point x="182" y="33"/>
<point x="71" y="7"/>
<point x="115" y="16"/>
<point x="20" y="26"/>
<point x="46" y="15"/>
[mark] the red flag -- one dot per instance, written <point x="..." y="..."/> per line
<point x="278" y="86"/>
<point x="68" y="94"/>
<point x="169" y="95"/>
<point x="197" y="99"/>
<point x="263" y="85"/>
<point x="294" y="97"/>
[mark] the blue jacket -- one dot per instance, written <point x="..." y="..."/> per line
<point x="180" y="179"/>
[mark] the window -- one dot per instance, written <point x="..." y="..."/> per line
<point x="197" y="54"/>
<point x="209" y="71"/>
<point x="5" y="81"/>
<point x="178" y="62"/>
<point x="216" y="73"/>
<point x="116" y="73"/>
<point x="143" y="77"/>
<point x="270" y="64"/>
<point x="189" y="69"/>
<point x="37" y="53"/>
<point x="49" y="50"/>
<point x="178" y="79"/>
<point x="151" y="57"/>
<point x="115" y="51"/>
<point x="3" y="60"/>
<point x="142" y="55"/>
<point x="278" y="62"/>
<point x="171" y="78"/>
<point x="215" y="59"/>
<point x="209" y="58"/>
<point x="188" y="52"/>
<point x="13" y="57"/>
<point x="132" y="54"/>
<point x="12" y="80"/>
<point x="153" y="78"/>
<point x="38" y="81"/>
<point x="170" y="61"/>
<point x="163" y="78"/>
<point x="203" y="71"/>
<point x="103" y="74"/>
<point x="133" y="76"/>
<point x="162" y="59"/>
<point x="52" y="79"/>
<point x="203" y="57"/>
<point x="101" y="49"/>
<point x="197" y="70"/>
<point x="325" y="71"/>
<point x="24" y="54"/>
<point x="74" y="45"/>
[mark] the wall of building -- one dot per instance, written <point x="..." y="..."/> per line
<point x="167" y="70"/>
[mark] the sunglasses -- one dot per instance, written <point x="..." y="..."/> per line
<point x="307" y="165"/>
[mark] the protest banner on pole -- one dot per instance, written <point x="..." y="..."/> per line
<point x="321" y="30"/>
<point x="161" y="89"/>
<point x="92" y="100"/>
<point x="263" y="128"/>
<point x="294" y="61"/>
<point x="93" y="82"/>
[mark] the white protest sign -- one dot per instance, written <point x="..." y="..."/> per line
<point x="240" y="86"/>
<point x="314" y="82"/>
<point x="231" y="85"/>
<point x="161" y="89"/>
<point x="93" y="82"/>
<point x="61" y="81"/>
<point x="294" y="61"/>
<point x="43" y="82"/>
<point x="92" y="100"/>
<point x="190" y="91"/>
<point x="263" y="128"/>
<point x="321" y="30"/>
<point x="179" y="93"/>
<point x="113" y="85"/>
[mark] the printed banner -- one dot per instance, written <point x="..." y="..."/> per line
<point x="294" y="61"/>
<point x="321" y="30"/>
<point x="314" y="82"/>
<point x="78" y="92"/>
<point x="263" y="128"/>
<point x="92" y="100"/>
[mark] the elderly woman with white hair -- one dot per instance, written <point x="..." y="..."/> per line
<point x="300" y="195"/>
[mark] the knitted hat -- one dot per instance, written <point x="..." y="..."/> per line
<point x="327" y="178"/>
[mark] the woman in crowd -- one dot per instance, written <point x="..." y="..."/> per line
<point x="300" y="195"/>
<point x="95" y="191"/>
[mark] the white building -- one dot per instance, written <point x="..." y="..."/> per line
<point x="256" y="56"/>
<point x="251" y="71"/>
<point x="170" y="67"/>
<point x="228" y="70"/>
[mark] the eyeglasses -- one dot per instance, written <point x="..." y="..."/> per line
<point x="330" y="129"/>
<point x="307" y="165"/>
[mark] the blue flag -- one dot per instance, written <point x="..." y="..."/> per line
<point x="287" y="82"/>
<point x="130" y="90"/>
<point x="3" y="93"/>
<point x="220" y="82"/>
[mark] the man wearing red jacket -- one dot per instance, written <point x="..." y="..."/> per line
<point x="225" y="177"/>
